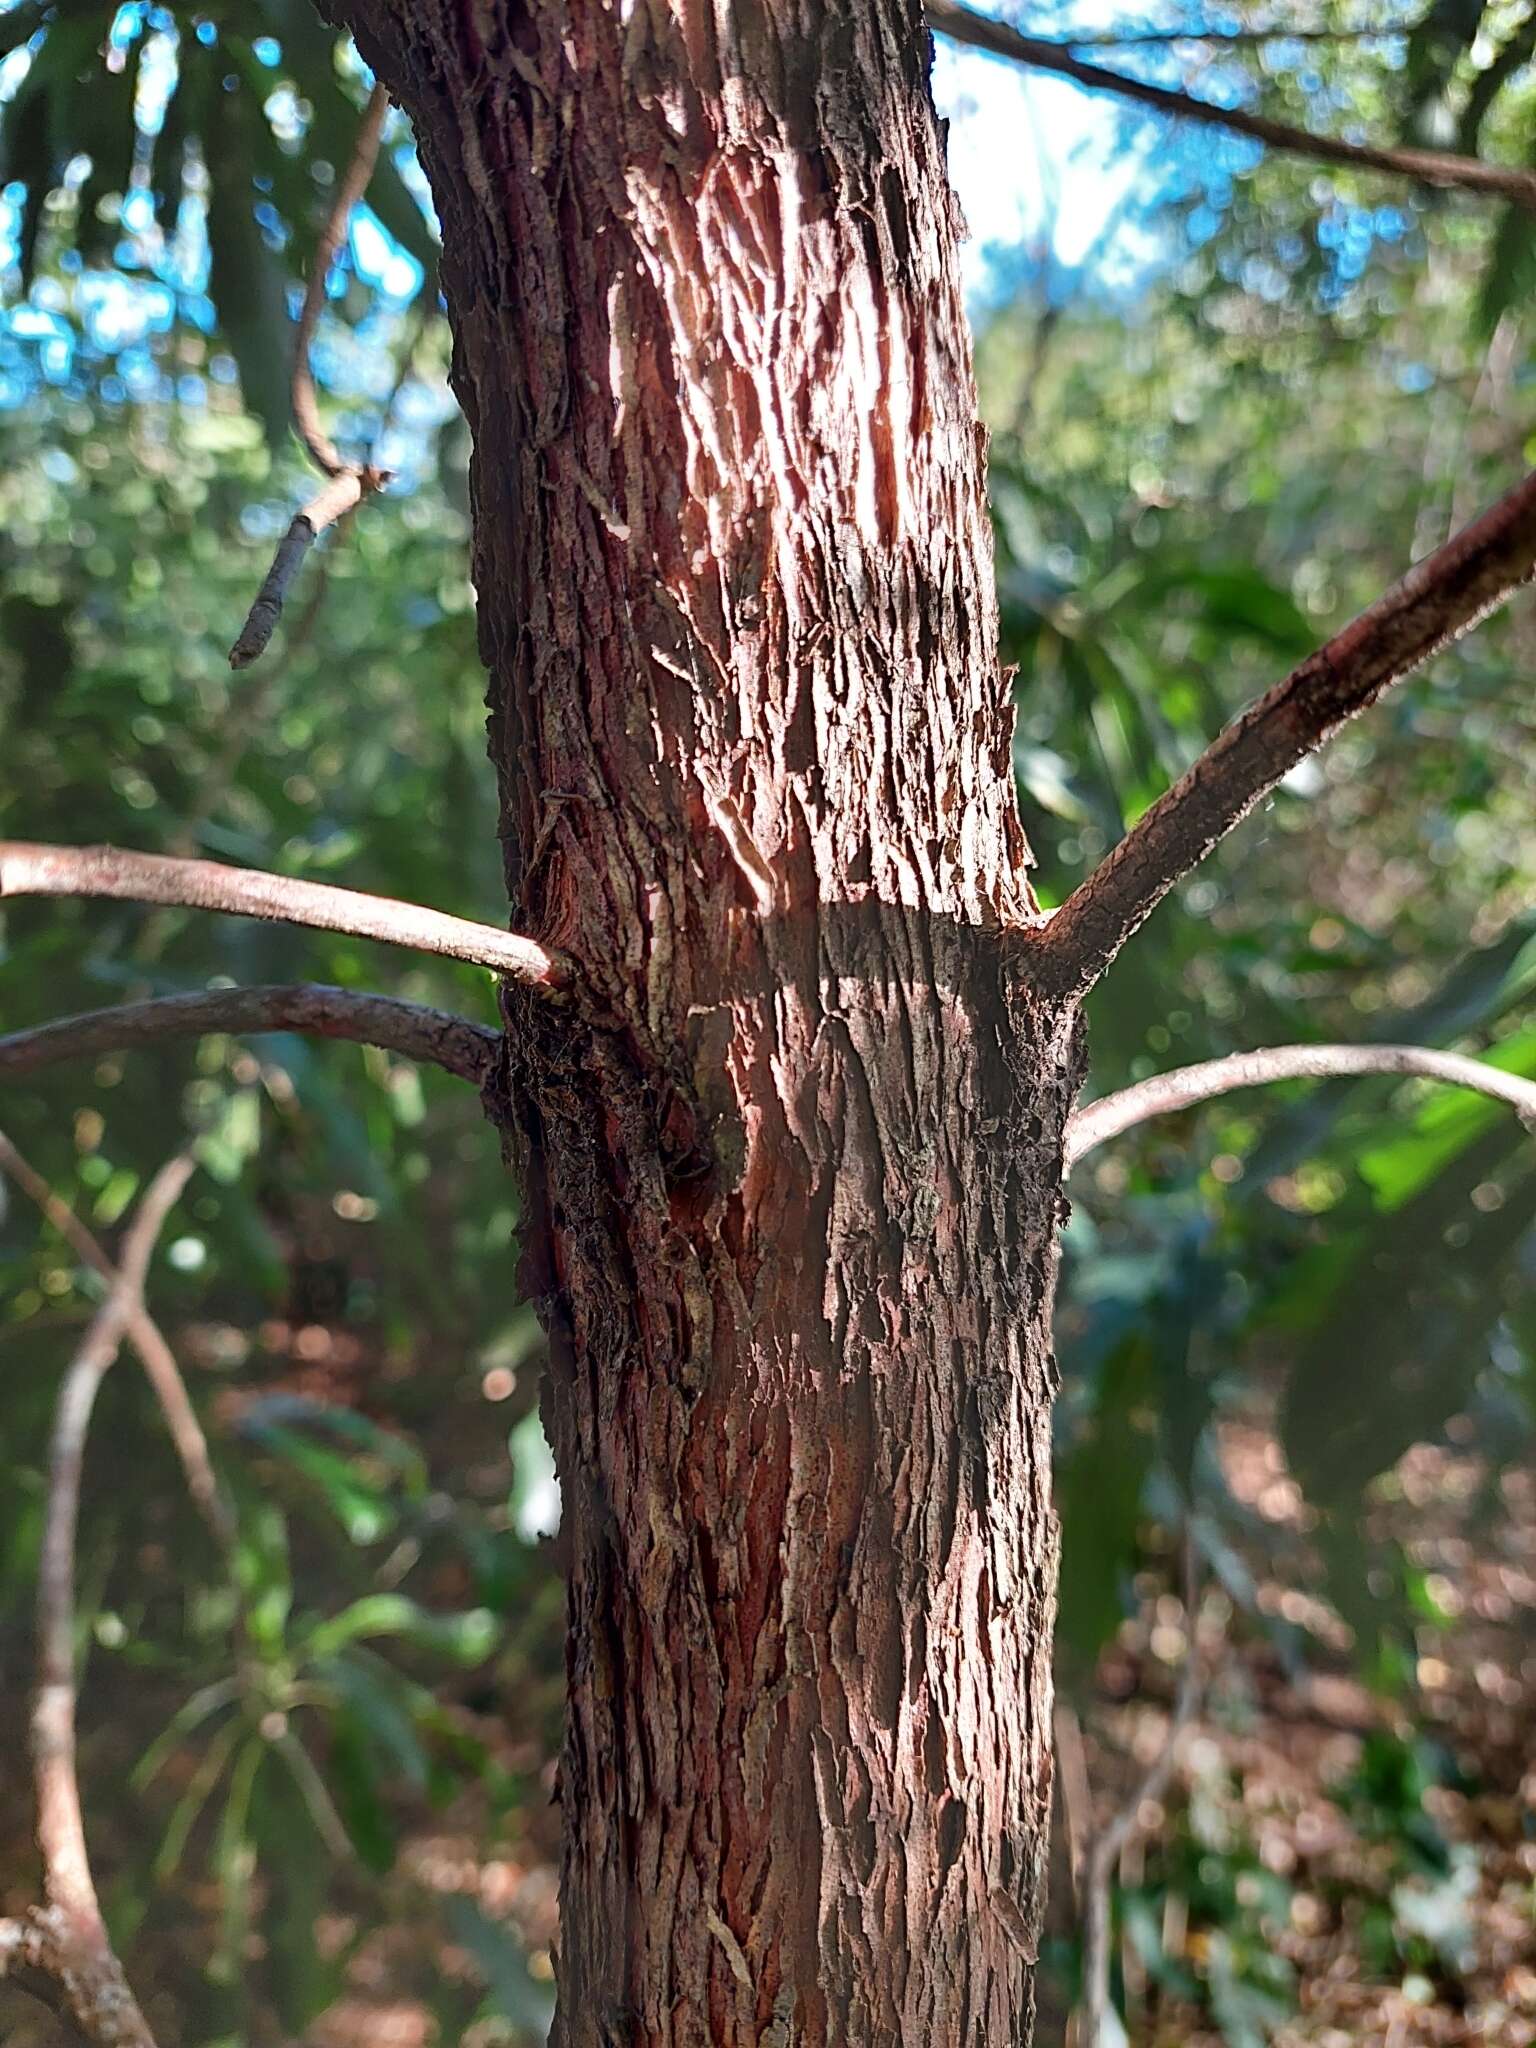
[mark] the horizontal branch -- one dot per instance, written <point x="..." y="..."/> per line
<point x="1224" y="38"/>
<point x="1441" y="168"/>
<point x="412" y="1030"/>
<point x="1439" y="599"/>
<point x="1162" y="1094"/>
<point x="31" y="870"/>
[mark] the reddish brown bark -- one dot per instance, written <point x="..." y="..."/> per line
<point x="793" y="1154"/>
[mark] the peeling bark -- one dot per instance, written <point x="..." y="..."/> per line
<point x="793" y="1151"/>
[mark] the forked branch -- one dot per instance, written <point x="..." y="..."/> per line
<point x="1438" y="600"/>
<point x="147" y="1339"/>
<point x="63" y="1946"/>
<point x="27" y="869"/>
<point x="1162" y="1094"/>
<point x="411" y="1029"/>
<point x="1442" y="168"/>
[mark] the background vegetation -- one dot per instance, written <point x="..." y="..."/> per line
<point x="1298" y="1324"/>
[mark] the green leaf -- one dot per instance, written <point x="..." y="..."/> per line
<point x="261" y="1571"/>
<point x="502" y="1961"/>
<point x="468" y="1637"/>
<point x="1509" y="275"/>
<point x="352" y="1767"/>
<point x="200" y="1790"/>
<point x="1397" y="1346"/>
<point x="305" y="1981"/>
<point x="1099" y="1493"/>
<point x="247" y="280"/>
<point x="362" y="1506"/>
<point x="234" y="1863"/>
<point x="184" y="1722"/>
<point x="380" y="1705"/>
<point x="36" y="135"/>
<point x="1450" y="1120"/>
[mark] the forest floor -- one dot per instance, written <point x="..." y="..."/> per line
<point x="1330" y="1867"/>
<point x="1333" y="1868"/>
<point x="1378" y="1852"/>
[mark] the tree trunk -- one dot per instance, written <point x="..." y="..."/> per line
<point x="793" y="1159"/>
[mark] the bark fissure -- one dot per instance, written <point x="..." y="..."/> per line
<point x="793" y="1197"/>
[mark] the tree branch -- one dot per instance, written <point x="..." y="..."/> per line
<point x="1162" y="1094"/>
<point x="433" y="1037"/>
<point x="354" y="183"/>
<point x="1430" y="167"/>
<point x="27" y="869"/>
<point x="147" y="1339"/>
<point x="66" y="1940"/>
<point x="1225" y="38"/>
<point x="1439" y="599"/>
<point x="349" y="482"/>
<point x="343" y="494"/>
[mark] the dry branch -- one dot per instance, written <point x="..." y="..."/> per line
<point x="1228" y="38"/>
<point x="410" y="1029"/>
<point x="65" y="1942"/>
<point x="1439" y="599"/>
<point x="147" y="1339"/>
<point x="27" y="869"/>
<point x="1441" y="168"/>
<point x="354" y="183"/>
<point x="1185" y="1086"/>
<point x="349" y="483"/>
<point x="343" y="494"/>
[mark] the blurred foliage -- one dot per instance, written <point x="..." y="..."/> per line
<point x="1193" y="485"/>
<point x="343" y="1750"/>
<point x="340" y="1278"/>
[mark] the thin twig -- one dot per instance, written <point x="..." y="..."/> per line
<point x="1438" y="600"/>
<point x="1110" y="1842"/>
<point x="348" y="483"/>
<point x="148" y="1340"/>
<point x="354" y="183"/>
<point x="28" y="869"/>
<point x="1439" y="168"/>
<point x="343" y="494"/>
<point x="1223" y="38"/>
<point x="66" y="1940"/>
<point x="414" y="1031"/>
<point x="1162" y="1094"/>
